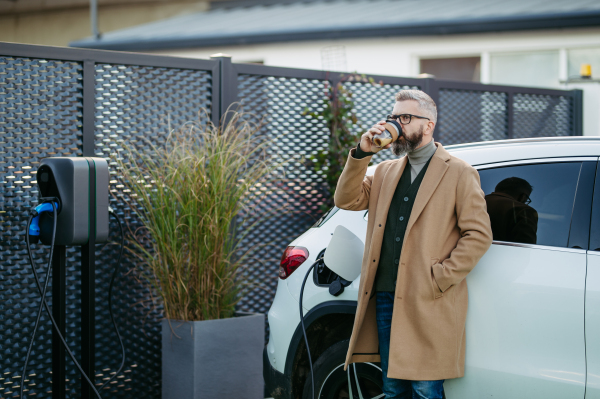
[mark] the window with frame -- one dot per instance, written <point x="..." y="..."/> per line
<point x="461" y="68"/>
<point x="533" y="203"/>
<point x="528" y="68"/>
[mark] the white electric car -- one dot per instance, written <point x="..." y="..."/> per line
<point x="533" y="325"/>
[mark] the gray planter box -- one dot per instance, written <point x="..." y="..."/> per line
<point x="213" y="358"/>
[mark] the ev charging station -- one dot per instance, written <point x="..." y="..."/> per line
<point x="81" y="186"/>
<point x="73" y="211"/>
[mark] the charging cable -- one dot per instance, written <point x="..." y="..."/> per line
<point x="344" y="283"/>
<point x="35" y="214"/>
<point x="43" y="291"/>
<point x="312" y="374"/>
<point x="33" y="230"/>
<point x="110" y="310"/>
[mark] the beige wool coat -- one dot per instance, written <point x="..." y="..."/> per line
<point x="447" y="233"/>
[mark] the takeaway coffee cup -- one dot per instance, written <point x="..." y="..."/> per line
<point x="389" y="135"/>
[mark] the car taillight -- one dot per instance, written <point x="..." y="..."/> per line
<point x="292" y="258"/>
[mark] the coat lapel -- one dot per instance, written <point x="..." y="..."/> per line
<point x="388" y="188"/>
<point x="436" y="170"/>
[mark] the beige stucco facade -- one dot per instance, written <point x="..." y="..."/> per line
<point x="59" y="22"/>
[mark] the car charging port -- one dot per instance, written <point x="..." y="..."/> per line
<point x="325" y="277"/>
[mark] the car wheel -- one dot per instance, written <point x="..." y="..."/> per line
<point x="332" y="382"/>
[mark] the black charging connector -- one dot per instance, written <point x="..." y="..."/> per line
<point x="336" y="288"/>
<point x="52" y="199"/>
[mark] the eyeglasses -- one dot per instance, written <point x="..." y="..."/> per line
<point x="405" y="118"/>
<point x="527" y="201"/>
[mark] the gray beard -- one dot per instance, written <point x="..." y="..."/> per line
<point x="403" y="147"/>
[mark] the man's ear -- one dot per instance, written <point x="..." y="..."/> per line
<point x="430" y="127"/>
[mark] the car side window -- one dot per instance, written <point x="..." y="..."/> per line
<point x="531" y="204"/>
<point x="325" y="217"/>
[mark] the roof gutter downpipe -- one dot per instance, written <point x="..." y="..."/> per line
<point x="94" y="18"/>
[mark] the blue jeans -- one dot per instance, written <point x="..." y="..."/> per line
<point x="394" y="388"/>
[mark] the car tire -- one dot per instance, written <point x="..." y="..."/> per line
<point x="331" y="381"/>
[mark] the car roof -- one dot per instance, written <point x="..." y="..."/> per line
<point x="487" y="152"/>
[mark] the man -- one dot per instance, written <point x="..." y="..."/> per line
<point x="428" y="227"/>
<point x="510" y="214"/>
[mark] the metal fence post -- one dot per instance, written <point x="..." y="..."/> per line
<point x="227" y="87"/>
<point x="577" y="95"/>
<point x="88" y="251"/>
<point x="510" y="113"/>
<point x="431" y="87"/>
<point x="59" y="311"/>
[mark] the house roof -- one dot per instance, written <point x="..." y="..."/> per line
<point x="245" y="23"/>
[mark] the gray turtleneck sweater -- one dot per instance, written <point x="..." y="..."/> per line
<point x="418" y="158"/>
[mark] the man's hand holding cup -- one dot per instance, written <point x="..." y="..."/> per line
<point x="366" y="140"/>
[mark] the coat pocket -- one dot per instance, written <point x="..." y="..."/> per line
<point x="434" y="286"/>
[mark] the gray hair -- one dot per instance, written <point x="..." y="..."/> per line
<point x="425" y="102"/>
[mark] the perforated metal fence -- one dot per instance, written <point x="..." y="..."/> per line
<point x="59" y="103"/>
<point x="40" y="116"/>
<point x="467" y="116"/>
<point x="293" y="137"/>
<point x="473" y="112"/>
<point x="67" y="102"/>
<point x="541" y="115"/>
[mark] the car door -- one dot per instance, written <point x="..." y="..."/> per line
<point x="592" y="301"/>
<point x="525" y="324"/>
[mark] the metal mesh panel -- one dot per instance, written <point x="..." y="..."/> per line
<point x="40" y="116"/>
<point x="466" y="116"/>
<point x="372" y="103"/>
<point x="135" y="104"/>
<point x="542" y="116"/>
<point x="279" y="102"/>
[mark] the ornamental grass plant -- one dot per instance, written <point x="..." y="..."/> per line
<point x="188" y="193"/>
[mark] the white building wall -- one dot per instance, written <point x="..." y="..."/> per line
<point x="399" y="56"/>
<point x="591" y="106"/>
